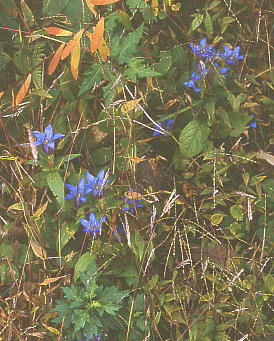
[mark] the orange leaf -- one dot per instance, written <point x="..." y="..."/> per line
<point x="91" y="7"/>
<point x="56" y="31"/>
<point x="102" y="2"/>
<point x="103" y="50"/>
<point x="97" y="36"/>
<point x="75" y="59"/>
<point x="1" y="94"/>
<point x="55" y="59"/>
<point x="22" y="92"/>
<point x="71" y="44"/>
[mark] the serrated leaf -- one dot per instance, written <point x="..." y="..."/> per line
<point x="56" y="185"/>
<point x="92" y="76"/>
<point x="193" y="137"/>
<point x="136" y="69"/>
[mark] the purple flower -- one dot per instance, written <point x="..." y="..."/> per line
<point x="167" y="125"/>
<point x="92" y="224"/>
<point x="131" y="202"/>
<point x="97" y="184"/>
<point x="191" y="84"/>
<point x="78" y="192"/>
<point x="46" y="138"/>
<point x="231" y="56"/>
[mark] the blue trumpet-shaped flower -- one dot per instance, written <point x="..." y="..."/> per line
<point x="78" y="192"/>
<point x="252" y="123"/>
<point x="96" y="184"/>
<point x="46" y="138"/>
<point x="92" y="224"/>
<point x="205" y="51"/>
<point x="167" y="125"/>
<point x="231" y="56"/>
<point x="132" y="201"/>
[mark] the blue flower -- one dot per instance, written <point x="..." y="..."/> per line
<point x="191" y="84"/>
<point x="97" y="184"/>
<point x="252" y="123"/>
<point x="205" y="51"/>
<point x="46" y="138"/>
<point x="78" y="192"/>
<point x="92" y="224"/>
<point x="167" y="125"/>
<point x="231" y="56"/>
<point x="132" y="201"/>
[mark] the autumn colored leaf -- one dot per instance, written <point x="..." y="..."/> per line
<point x="56" y="31"/>
<point x="22" y="92"/>
<point x="1" y="94"/>
<point x="97" y="36"/>
<point x="103" y="50"/>
<point x="91" y="7"/>
<point x="133" y="195"/>
<point x="55" y="59"/>
<point x="37" y="249"/>
<point x="102" y="2"/>
<point x="130" y="105"/>
<point x="71" y="44"/>
<point x="75" y="59"/>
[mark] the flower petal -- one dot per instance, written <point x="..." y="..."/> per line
<point x="48" y="132"/>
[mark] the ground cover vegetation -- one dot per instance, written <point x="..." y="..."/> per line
<point x="136" y="170"/>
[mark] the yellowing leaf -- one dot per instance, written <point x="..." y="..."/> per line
<point x="38" y="251"/>
<point x="136" y="159"/>
<point x="133" y="195"/>
<point x="50" y="280"/>
<point x="91" y="7"/>
<point x="97" y="36"/>
<point x="51" y="329"/>
<point x="71" y="44"/>
<point x="22" y="92"/>
<point x="18" y="207"/>
<point x="102" y="2"/>
<point x="40" y="210"/>
<point x="103" y="50"/>
<point x="56" y="31"/>
<point x="130" y="105"/>
<point x="55" y="59"/>
<point x="75" y="59"/>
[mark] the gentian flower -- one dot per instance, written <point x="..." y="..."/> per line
<point x="46" y="138"/>
<point x="92" y="224"/>
<point x="204" y="51"/>
<point x="96" y="184"/>
<point x="132" y="202"/>
<point x="167" y="125"/>
<point x="252" y="123"/>
<point x="191" y="84"/>
<point x="95" y="337"/>
<point x="231" y="56"/>
<point x="78" y="192"/>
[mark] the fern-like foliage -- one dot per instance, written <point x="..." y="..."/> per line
<point x="133" y="4"/>
<point x="126" y="48"/>
<point x="137" y="69"/>
<point x="88" y="308"/>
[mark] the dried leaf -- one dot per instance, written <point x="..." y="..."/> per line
<point x="71" y="44"/>
<point x="37" y="249"/>
<point x="136" y="159"/>
<point x="97" y="36"/>
<point x="130" y="105"/>
<point x="55" y="59"/>
<point x="102" y="2"/>
<point x="265" y="156"/>
<point x="75" y="59"/>
<point x="51" y="329"/>
<point x="1" y="94"/>
<point x="40" y="210"/>
<point x="103" y="50"/>
<point x="50" y="280"/>
<point x="56" y="31"/>
<point x="22" y="92"/>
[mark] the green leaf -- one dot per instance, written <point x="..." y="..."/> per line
<point x="92" y="76"/>
<point x="126" y="48"/>
<point x="82" y="264"/>
<point x="208" y="24"/>
<point x="193" y="137"/>
<point x="56" y="185"/>
<point x="136" y="69"/>
<point x="164" y="63"/>
<point x="133" y="4"/>
<point x="6" y="251"/>
<point x="197" y="21"/>
<point x="236" y="212"/>
<point x="61" y="160"/>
